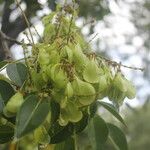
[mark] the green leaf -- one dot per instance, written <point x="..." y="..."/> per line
<point x="55" y="111"/>
<point x="6" y="133"/>
<point x="66" y="145"/>
<point x="98" y="132"/>
<point x="117" y="136"/>
<point x="3" y="63"/>
<point x="93" y="109"/>
<point x="60" y="133"/>
<point x="1" y="105"/>
<point x="6" y="92"/>
<point x="31" y="115"/>
<point x="81" y="125"/>
<point x="112" y="110"/>
<point x="17" y="72"/>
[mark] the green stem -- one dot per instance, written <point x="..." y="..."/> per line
<point x="75" y="141"/>
<point x="111" y="140"/>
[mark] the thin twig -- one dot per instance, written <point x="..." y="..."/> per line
<point x="93" y="38"/>
<point x="5" y="45"/>
<point x="5" y="37"/>
<point x="114" y="63"/>
<point x="37" y="32"/>
<point x="70" y="28"/>
<point x="26" y="34"/>
<point x="92" y="21"/>
<point x="26" y="20"/>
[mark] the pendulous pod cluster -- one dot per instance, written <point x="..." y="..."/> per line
<point x="72" y="76"/>
<point x="64" y="80"/>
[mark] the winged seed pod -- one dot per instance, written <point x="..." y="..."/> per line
<point x="69" y="90"/>
<point x="85" y="92"/>
<point x="119" y="82"/>
<point x="14" y="103"/>
<point x="41" y="136"/>
<point x="78" y="57"/>
<point x="38" y="77"/>
<point x="54" y="57"/>
<point x="70" y="113"/>
<point x="103" y="84"/>
<point x="43" y="57"/>
<point x="131" y="91"/>
<point x="60" y="78"/>
<point x="91" y="72"/>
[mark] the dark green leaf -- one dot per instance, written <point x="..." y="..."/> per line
<point x="1" y="106"/>
<point x="117" y="136"/>
<point x="6" y="92"/>
<point x="12" y="119"/>
<point x="6" y="133"/>
<point x="98" y="132"/>
<point x="3" y="63"/>
<point x="31" y="115"/>
<point x="81" y="125"/>
<point x="66" y="145"/>
<point x="17" y="73"/>
<point x="93" y="109"/>
<point x="55" y="111"/>
<point x="60" y="133"/>
<point x="112" y="110"/>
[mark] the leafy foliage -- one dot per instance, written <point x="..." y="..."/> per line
<point x="117" y="136"/>
<point x="6" y="133"/>
<point x="56" y="89"/>
<point x="17" y="73"/>
<point x="98" y="132"/>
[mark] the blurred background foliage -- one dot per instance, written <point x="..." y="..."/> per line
<point x="137" y="130"/>
<point x="130" y="46"/>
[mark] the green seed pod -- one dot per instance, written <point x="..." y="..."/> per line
<point x="60" y="79"/>
<point x="74" y="114"/>
<point x="44" y="74"/>
<point x="131" y="91"/>
<point x="63" y="118"/>
<point x="58" y="95"/>
<point x="69" y="90"/>
<point x="54" y="57"/>
<point x="38" y="80"/>
<point x="114" y="94"/>
<point x="70" y="113"/>
<point x="91" y="72"/>
<point x="78" y="57"/>
<point x="85" y="92"/>
<point x="43" y="57"/>
<point x="103" y="85"/>
<point x="14" y="103"/>
<point x="67" y="53"/>
<point x="64" y="102"/>
<point x="7" y="113"/>
<point x="41" y="135"/>
<point x="50" y="71"/>
<point x="119" y="82"/>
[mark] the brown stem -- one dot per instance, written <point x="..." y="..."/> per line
<point x="5" y="45"/>
<point x="12" y="146"/>
<point x="4" y="37"/>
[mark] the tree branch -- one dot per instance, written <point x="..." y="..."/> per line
<point x="114" y="63"/>
<point x="3" y="36"/>
<point x="7" y="54"/>
<point x="5" y="17"/>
